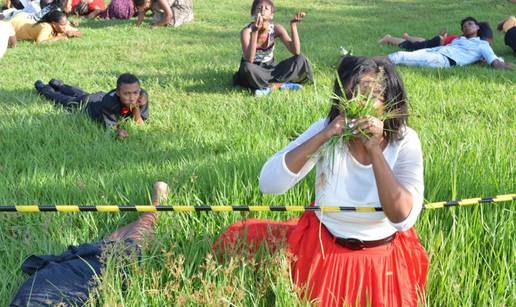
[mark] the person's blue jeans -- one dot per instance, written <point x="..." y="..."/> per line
<point x="420" y="58"/>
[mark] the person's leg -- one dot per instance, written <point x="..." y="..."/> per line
<point x="294" y="69"/>
<point x="69" y="90"/>
<point x="419" y="58"/>
<point x="254" y="76"/>
<point x="430" y="43"/>
<point x="412" y="39"/>
<point x="391" y="40"/>
<point x="144" y="226"/>
<point x="58" y="97"/>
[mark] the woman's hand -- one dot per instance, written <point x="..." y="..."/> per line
<point x="373" y="128"/>
<point x="335" y="127"/>
<point x="298" y="17"/>
<point x="258" y="23"/>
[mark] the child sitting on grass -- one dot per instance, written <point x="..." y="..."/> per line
<point x="258" y="70"/>
<point x="128" y="100"/>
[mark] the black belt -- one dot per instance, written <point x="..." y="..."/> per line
<point x="357" y="244"/>
<point x="452" y="62"/>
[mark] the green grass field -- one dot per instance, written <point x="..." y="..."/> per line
<point x="208" y="141"/>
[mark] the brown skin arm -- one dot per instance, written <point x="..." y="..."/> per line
<point x="501" y="65"/>
<point x="141" y="16"/>
<point x="293" y="44"/>
<point x="12" y="41"/>
<point x="168" y="15"/>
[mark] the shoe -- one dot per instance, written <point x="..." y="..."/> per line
<point x="56" y="84"/>
<point x="39" y="85"/>
<point x="263" y="91"/>
<point x="289" y="86"/>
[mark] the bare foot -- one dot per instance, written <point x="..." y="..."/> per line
<point x="405" y="35"/>
<point x="385" y="40"/>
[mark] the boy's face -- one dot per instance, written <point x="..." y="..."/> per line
<point x="470" y="28"/>
<point x="129" y="93"/>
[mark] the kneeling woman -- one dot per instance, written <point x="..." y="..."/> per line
<point x="350" y="258"/>
<point x="258" y="71"/>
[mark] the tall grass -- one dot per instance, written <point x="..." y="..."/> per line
<point x="209" y="141"/>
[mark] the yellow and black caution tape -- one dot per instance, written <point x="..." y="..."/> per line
<point x="238" y="208"/>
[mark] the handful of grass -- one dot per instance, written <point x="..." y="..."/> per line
<point x="360" y="106"/>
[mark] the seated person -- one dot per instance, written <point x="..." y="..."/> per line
<point x="165" y="12"/>
<point x="128" y="100"/>
<point x="258" y="70"/>
<point x="68" y="278"/>
<point x="412" y="43"/>
<point x="342" y="258"/>
<point x="7" y="37"/>
<point x="84" y="7"/>
<point x="508" y="25"/>
<point x="462" y="51"/>
<point x="117" y="9"/>
<point x="53" y="26"/>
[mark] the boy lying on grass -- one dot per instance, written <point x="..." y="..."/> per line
<point x="67" y="279"/>
<point x="128" y="100"/>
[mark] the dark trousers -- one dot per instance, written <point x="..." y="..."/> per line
<point x="65" y="95"/>
<point x="261" y="75"/>
<point x="510" y="38"/>
<point x="429" y="43"/>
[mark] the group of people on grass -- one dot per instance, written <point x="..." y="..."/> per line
<point x="47" y="20"/>
<point x="340" y="258"/>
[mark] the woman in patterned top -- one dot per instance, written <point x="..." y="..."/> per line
<point x="258" y="70"/>
<point x="165" y="12"/>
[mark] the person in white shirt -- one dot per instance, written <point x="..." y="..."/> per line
<point x="352" y="257"/>
<point x="7" y="37"/>
<point x="465" y="50"/>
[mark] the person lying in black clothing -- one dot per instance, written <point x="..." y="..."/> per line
<point x="69" y="278"/>
<point x="128" y="100"/>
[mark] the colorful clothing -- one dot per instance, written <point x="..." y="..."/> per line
<point x="27" y="28"/>
<point x="93" y="5"/>
<point x="391" y="274"/>
<point x="332" y="275"/>
<point x="266" y="54"/>
<point x="119" y="9"/>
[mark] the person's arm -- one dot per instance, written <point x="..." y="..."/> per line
<point x="291" y="164"/>
<point x="141" y="16"/>
<point x="397" y="202"/>
<point x="143" y="104"/>
<point x="67" y="6"/>
<point x="293" y="44"/>
<point x="490" y="57"/>
<point x="167" y="14"/>
<point x="249" y="39"/>
<point x="497" y="64"/>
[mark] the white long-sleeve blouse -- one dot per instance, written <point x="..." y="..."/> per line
<point x="346" y="182"/>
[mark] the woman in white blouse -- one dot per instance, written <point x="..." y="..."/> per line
<point x="353" y="258"/>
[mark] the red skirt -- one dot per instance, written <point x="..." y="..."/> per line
<point x="393" y="274"/>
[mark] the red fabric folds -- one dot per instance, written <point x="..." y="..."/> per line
<point x="331" y="275"/>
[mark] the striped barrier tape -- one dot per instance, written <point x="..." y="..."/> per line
<point x="238" y="208"/>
